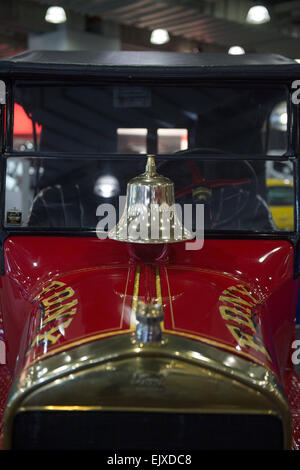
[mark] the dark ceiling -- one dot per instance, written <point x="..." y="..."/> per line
<point x="208" y="25"/>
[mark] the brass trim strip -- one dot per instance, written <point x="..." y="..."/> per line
<point x="66" y="347"/>
<point x="135" y="297"/>
<point x="203" y="339"/>
<point x="124" y="300"/>
<point x="200" y="339"/>
<point x="170" y="300"/>
<point x="156" y="410"/>
<point x="158" y="294"/>
<point x="158" y="285"/>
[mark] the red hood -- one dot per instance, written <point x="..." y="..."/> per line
<point x="229" y="294"/>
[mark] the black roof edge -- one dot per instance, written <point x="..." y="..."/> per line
<point x="145" y="63"/>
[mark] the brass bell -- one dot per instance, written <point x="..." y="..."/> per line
<point x="150" y="215"/>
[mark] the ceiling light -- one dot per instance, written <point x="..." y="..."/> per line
<point x="159" y="36"/>
<point x="258" y="15"/>
<point x="297" y="60"/>
<point x="236" y="50"/>
<point x="56" y="15"/>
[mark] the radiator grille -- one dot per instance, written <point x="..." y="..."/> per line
<point x="110" y="430"/>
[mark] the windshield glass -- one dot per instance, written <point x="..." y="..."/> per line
<point x="84" y="143"/>
<point x="66" y="192"/>
<point x="131" y="119"/>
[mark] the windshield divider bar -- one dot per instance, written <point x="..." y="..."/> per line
<point x="9" y="118"/>
<point x="113" y="156"/>
<point x="284" y="235"/>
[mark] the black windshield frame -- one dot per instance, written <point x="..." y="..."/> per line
<point x="292" y="153"/>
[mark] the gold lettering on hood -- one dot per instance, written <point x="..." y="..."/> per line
<point x="57" y="304"/>
<point x="239" y="309"/>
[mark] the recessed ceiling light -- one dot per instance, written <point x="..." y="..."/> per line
<point x="236" y="50"/>
<point x="258" y="15"/>
<point x="159" y="36"/>
<point x="56" y="15"/>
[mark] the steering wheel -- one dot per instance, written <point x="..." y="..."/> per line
<point x="226" y="198"/>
